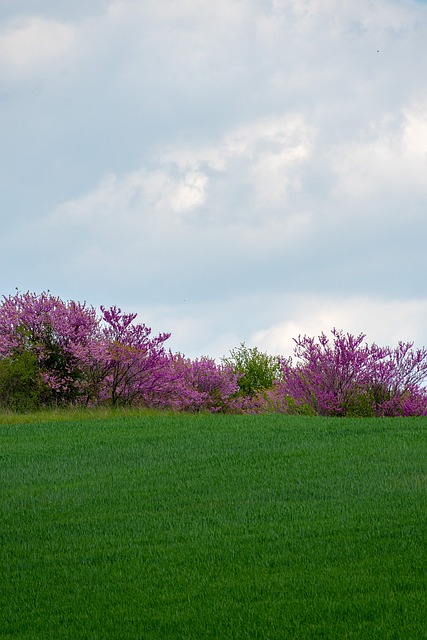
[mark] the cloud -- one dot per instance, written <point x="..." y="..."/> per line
<point x="263" y="158"/>
<point x="391" y="155"/>
<point x="246" y="213"/>
<point x="265" y="161"/>
<point x="35" y="42"/>
<point x="200" y="218"/>
<point x="385" y="322"/>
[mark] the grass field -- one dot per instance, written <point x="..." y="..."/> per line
<point x="170" y="526"/>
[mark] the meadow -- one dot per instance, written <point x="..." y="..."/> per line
<point x="144" y="525"/>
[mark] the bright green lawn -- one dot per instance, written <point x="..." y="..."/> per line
<point x="229" y="527"/>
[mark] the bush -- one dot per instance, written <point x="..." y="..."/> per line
<point x="21" y="387"/>
<point x="61" y="353"/>
<point x="345" y="376"/>
<point x="257" y="371"/>
<point x="199" y="385"/>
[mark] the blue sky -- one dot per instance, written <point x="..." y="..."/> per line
<point x="245" y="170"/>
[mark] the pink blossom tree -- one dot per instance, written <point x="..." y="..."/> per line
<point x="54" y="332"/>
<point x="53" y="351"/>
<point x="345" y="375"/>
<point x="82" y="357"/>
<point x="201" y="385"/>
<point x="133" y="365"/>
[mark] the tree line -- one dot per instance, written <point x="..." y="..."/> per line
<point x="61" y="353"/>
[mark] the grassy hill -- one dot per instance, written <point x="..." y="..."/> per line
<point x="143" y="526"/>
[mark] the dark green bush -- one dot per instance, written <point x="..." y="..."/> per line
<point x="21" y="387"/>
<point x="361" y="404"/>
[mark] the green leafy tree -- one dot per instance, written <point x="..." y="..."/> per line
<point x="21" y="385"/>
<point x="257" y="370"/>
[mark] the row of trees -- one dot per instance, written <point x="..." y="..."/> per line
<point x="60" y="353"/>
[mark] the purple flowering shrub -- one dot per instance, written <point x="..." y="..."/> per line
<point x="81" y="357"/>
<point x="345" y="376"/>
<point x="134" y="364"/>
<point x="55" y="333"/>
<point x="200" y="385"/>
<point x="56" y="352"/>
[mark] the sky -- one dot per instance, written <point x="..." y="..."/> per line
<point x="233" y="171"/>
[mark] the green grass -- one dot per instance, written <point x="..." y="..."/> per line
<point x="171" y="526"/>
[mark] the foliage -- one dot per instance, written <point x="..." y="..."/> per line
<point x="277" y="400"/>
<point x="56" y="353"/>
<point x="80" y="356"/>
<point x="257" y="370"/>
<point x="54" y="332"/>
<point x="134" y="364"/>
<point x="346" y="376"/>
<point x="200" y="385"/>
<point x="21" y="387"/>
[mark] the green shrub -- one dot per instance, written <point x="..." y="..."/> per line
<point x="258" y="371"/>
<point x="361" y="405"/>
<point x="21" y="387"/>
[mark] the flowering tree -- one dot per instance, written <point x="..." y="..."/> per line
<point x="80" y="356"/>
<point x="201" y="385"/>
<point x="397" y="381"/>
<point x="53" y="351"/>
<point x="54" y="332"/>
<point x="345" y="375"/>
<point x="133" y="366"/>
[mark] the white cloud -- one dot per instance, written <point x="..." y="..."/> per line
<point x="262" y="158"/>
<point x="415" y="136"/>
<point x="197" y="331"/>
<point x="390" y="157"/>
<point x="258" y="158"/>
<point x="122" y="204"/>
<point x="189" y="193"/>
<point x="264" y="155"/>
<point x="35" y="42"/>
